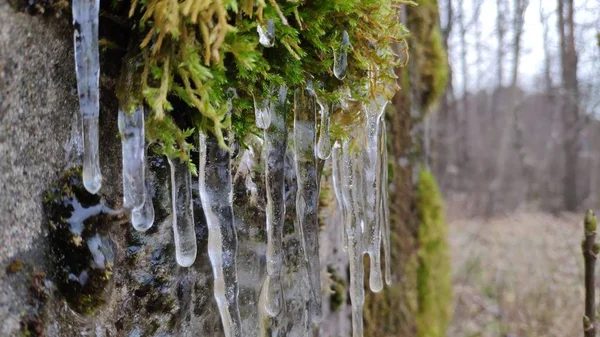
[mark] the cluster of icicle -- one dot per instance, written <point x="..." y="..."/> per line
<point x="359" y="179"/>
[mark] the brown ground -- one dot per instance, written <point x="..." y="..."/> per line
<point x="517" y="275"/>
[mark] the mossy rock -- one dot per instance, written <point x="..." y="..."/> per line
<point x="81" y="252"/>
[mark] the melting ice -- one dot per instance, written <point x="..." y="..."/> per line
<point x="216" y="193"/>
<point x="183" y="216"/>
<point x="307" y="195"/>
<point x="131" y="128"/>
<point x="87" y="67"/>
<point x="340" y="57"/>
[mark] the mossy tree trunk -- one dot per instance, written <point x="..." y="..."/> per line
<point x="418" y="303"/>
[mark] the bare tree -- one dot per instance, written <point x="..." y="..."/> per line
<point x="570" y="110"/>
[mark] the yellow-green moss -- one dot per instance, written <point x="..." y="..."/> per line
<point x="434" y="285"/>
<point x="193" y="51"/>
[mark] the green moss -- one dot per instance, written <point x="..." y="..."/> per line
<point x="433" y="274"/>
<point x="191" y="58"/>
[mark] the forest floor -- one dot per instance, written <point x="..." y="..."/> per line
<point x="517" y="275"/>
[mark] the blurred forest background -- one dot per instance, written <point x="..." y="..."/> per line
<point x="511" y="142"/>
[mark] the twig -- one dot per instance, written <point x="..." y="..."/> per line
<point x="590" y="250"/>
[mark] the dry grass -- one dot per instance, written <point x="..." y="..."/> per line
<point x="518" y="275"/>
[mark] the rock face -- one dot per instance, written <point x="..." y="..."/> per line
<point x="37" y="105"/>
<point x="150" y="294"/>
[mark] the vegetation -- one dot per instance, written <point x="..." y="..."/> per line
<point x="434" y="286"/>
<point x="193" y="52"/>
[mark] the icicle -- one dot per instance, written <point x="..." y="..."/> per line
<point x="266" y="35"/>
<point x="183" y="217"/>
<point x="372" y="173"/>
<point x="87" y="67"/>
<point x="384" y="211"/>
<point x="324" y="144"/>
<point x="353" y="228"/>
<point x="216" y="193"/>
<point x="262" y="112"/>
<point x="307" y="195"/>
<point x="336" y="162"/>
<point x="340" y="57"/>
<point x="143" y="218"/>
<point x="274" y="158"/>
<point x="131" y="129"/>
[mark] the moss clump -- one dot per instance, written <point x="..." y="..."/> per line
<point x="433" y="274"/>
<point x="82" y="255"/>
<point x="194" y="51"/>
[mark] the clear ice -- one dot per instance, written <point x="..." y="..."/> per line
<point x="266" y="35"/>
<point x="372" y="176"/>
<point x="351" y="194"/>
<point x="143" y="218"/>
<point x="133" y="148"/>
<point x="216" y="193"/>
<point x="274" y="158"/>
<point x="262" y="112"/>
<point x="359" y="172"/>
<point x="87" y="68"/>
<point x="324" y="143"/>
<point x="307" y="195"/>
<point x="384" y="210"/>
<point x="183" y="216"/>
<point x="340" y="57"/>
<point x="336" y="176"/>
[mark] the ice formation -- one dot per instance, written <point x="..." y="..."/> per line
<point x="183" y="216"/>
<point x="274" y="157"/>
<point x="216" y="194"/>
<point x="340" y="57"/>
<point x="262" y="112"/>
<point x="87" y="67"/>
<point x="324" y="143"/>
<point x="133" y="149"/>
<point x="266" y="35"/>
<point x="307" y="196"/>
<point x="143" y="218"/>
<point x="359" y="175"/>
<point x="290" y="282"/>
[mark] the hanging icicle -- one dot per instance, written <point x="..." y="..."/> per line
<point x="324" y="143"/>
<point x="340" y="57"/>
<point x="143" y="218"/>
<point x="133" y="148"/>
<point x="384" y="211"/>
<point x="307" y="196"/>
<point x="183" y="216"/>
<point x="336" y="176"/>
<point x="274" y="158"/>
<point x="87" y="66"/>
<point x="373" y="195"/>
<point x="216" y="193"/>
<point x="350" y="188"/>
